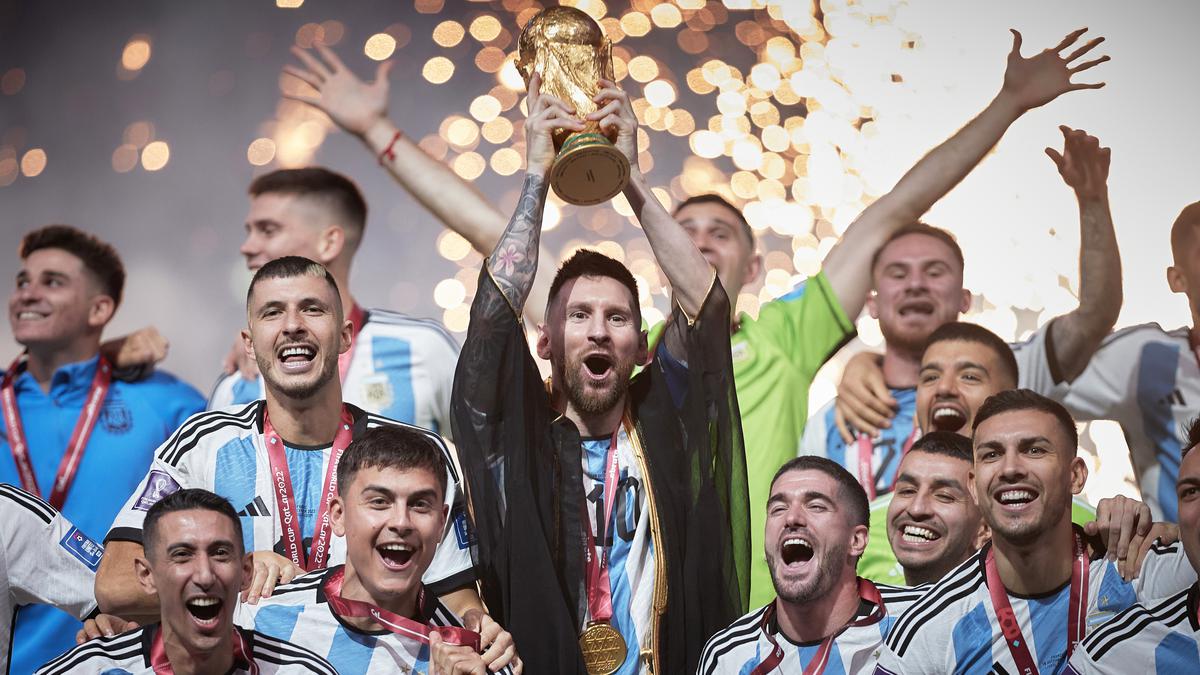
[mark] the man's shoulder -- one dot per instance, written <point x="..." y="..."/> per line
<point x="941" y="603"/>
<point x="124" y="648"/>
<point x="282" y="656"/>
<point x="1139" y="625"/>
<point x="741" y="632"/>
<point x="161" y="383"/>
<point x="1134" y="337"/>
<point x="385" y="322"/>
<point x="209" y="430"/>
<point x="12" y="497"/>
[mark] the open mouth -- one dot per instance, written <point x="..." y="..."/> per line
<point x="915" y="534"/>
<point x="598" y="366"/>
<point x="204" y="610"/>
<point x="295" y="357"/>
<point x="1015" y="498"/>
<point x="919" y="308"/>
<point x="948" y="418"/>
<point x="27" y="315"/>
<point x="395" y="556"/>
<point x="796" y="550"/>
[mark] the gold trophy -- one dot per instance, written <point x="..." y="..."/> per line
<point x="568" y="49"/>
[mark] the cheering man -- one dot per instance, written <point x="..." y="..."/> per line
<point x="1026" y="599"/>
<point x="276" y="458"/>
<point x="373" y="615"/>
<point x="823" y="613"/>
<point x="77" y="437"/>
<point x="610" y="513"/>
<point x="196" y="565"/>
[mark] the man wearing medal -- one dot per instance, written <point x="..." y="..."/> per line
<point x="1026" y="599"/>
<point x="824" y="613"/>
<point x="372" y="614"/>
<point x="275" y="459"/>
<point x="610" y="512"/>
<point x="70" y="432"/>
<point x="195" y="565"/>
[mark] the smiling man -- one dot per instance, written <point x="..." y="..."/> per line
<point x="373" y="614"/>
<point x="70" y="432"/>
<point x="275" y="458"/>
<point x="196" y="565"/>
<point x="824" y="616"/>
<point x="1023" y="602"/>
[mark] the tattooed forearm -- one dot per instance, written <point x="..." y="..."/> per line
<point x="515" y="259"/>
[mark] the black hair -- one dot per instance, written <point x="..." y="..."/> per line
<point x="392" y="447"/>
<point x="98" y="257"/>
<point x="190" y="499"/>
<point x="945" y="443"/>
<point x="589" y="263"/>
<point x="938" y="233"/>
<point x="961" y="331"/>
<point x="1025" y="399"/>
<point x="853" y="494"/>
<point x="290" y="267"/>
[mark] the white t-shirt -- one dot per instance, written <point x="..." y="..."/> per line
<point x="300" y="611"/>
<point x="223" y="451"/>
<point x="954" y="629"/>
<point x="44" y="560"/>
<point x="1155" y="639"/>
<point x="401" y="368"/>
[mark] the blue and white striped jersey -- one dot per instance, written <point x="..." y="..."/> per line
<point x="129" y="654"/>
<point x="631" y="566"/>
<point x="299" y="611"/>
<point x="402" y="368"/>
<point x="953" y="628"/>
<point x="1156" y="639"/>
<point x="1148" y="380"/>
<point x="223" y="451"/>
<point x="741" y="647"/>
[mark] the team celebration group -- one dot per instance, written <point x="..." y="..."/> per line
<point x="360" y="494"/>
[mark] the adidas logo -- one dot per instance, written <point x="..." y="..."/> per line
<point x="255" y="508"/>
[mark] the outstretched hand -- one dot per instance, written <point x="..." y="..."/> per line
<point x="546" y="113"/>
<point x="1043" y="77"/>
<point x="1083" y="163"/>
<point x="615" y="112"/>
<point x="350" y="102"/>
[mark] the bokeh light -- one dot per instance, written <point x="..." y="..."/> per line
<point x="155" y="155"/>
<point x="379" y="46"/>
<point x="33" y="162"/>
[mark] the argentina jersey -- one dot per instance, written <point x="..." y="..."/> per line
<point x="953" y="628"/>
<point x="401" y="368"/>
<point x="223" y="451"/>
<point x="821" y="438"/>
<point x="631" y="566"/>
<point x="299" y="611"/>
<point x="1157" y="639"/>
<point x="1148" y="380"/>
<point x="745" y="644"/>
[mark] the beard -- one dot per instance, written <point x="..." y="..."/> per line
<point x="828" y="572"/>
<point x="1029" y="529"/>
<point x="297" y="389"/>
<point x="589" y="400"/>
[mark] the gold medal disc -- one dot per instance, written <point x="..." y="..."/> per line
<point x="603" y="649"/>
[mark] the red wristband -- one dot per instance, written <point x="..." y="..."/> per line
<point x="389" y="152"/>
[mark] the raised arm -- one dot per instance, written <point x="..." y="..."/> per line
<point x="686" y="269"/>
<point x="360" y="109"/>
<point x="1028" y="83"/>
<point x="1077" y="334"/>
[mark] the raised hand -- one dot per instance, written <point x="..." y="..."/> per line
<point x="1043" y="77"/>
<point x="1083" y="163"/>
<point x="351" y="103"/>
<point x="616" y="112"/>
<point x="546" y="113"/>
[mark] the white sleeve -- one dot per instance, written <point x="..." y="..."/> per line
<point x="1165" y="572"/>
<point x="1034" y="364"/>
<point x="816" y="432"/>
<point x="1081" y="664"/>
<point x="50" y="561"/>
<point x="167" y="474"/>
<point x="1104" y="387"/>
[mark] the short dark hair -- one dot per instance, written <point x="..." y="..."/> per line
<point x="392" y="447"/>
<point x="713" y="198"/>
<point x="1024" y="399"/>
<point x="1183" y="227"/>
<point x="589" y="263"/>
<point x="314" y="182"/>
<point x="945" y="443"/>
<point x="290" y="267"/>
<point x="853" y="494"/>
<point x="98" y="257"/>
<point x="938" y="233"/>
<point x="1193" y="437"/>
<point x="190" y="499"/>
<point x="961" y="331"/>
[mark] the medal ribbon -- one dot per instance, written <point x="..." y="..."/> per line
<point x="1076" y="624"/>
<point x="598" y="589"/>
<point x="866" y="452"/>
<point x="357" y="317"/>
<point x="394" y="622"/>
<point x="281" y="480"/>
<point x="866" y="591"/>
<point x="71" y="459"/>
<point x="162" y="665"/>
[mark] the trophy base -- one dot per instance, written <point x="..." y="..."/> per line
<point x="588" y="170"/>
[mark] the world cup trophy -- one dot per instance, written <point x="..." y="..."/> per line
<point x="568" y="49"/>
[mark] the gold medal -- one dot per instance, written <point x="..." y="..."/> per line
<point x="603" y="648"/>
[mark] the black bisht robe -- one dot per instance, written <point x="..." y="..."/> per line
<point x="523" y="469"/>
